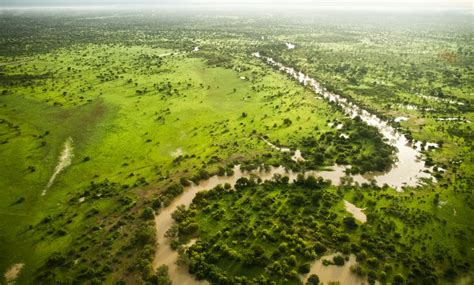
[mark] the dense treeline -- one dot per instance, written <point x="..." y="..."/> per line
<point x="271" y="232"/>
<point x="352" y="143"/>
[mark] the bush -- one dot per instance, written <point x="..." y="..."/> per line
<point x="148" y="213"/>
<point x="145" y="235"/>
<point x="319" y="248"/>
<point x="313" y="279"/>
<point x="184" y="181"/>
<point x="55" y="260"/>
<point x="242" y="183"/>
<point x="304" y="268"/>
<point x="398" y="279"/>
<point x="338" y="260"/>
<point x="161" y="276"/>
<point x="156" y="204"/>
<point x="350" y="223"/>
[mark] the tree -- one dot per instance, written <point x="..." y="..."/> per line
<point x="338" y="260"/>
<point x="161" y="276"/>
<point x="148" y="213"/>
<point x="184" y="181"/>
<point x="350" y="223"/>
<point x="313" y="279"/>
<point x="144" y="235"/>
<point x="304" y="268"/>
<point x="398" y="279"/>
<point x="156" y="204"/>
<point x="180" y="214"/>
<point x="221" y="171"/>
<point x="319" y="248"/>
<point x="243" y="182"/>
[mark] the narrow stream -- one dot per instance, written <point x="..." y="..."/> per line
<point x="407" y="171"/>
<point x="409" y="167"/>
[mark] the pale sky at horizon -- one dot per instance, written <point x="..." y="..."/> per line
<point x="464" y="4"/>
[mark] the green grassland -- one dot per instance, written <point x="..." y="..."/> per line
<point x="145" y="113"/>
<point x="140" y="118"/>
<point x="407" y="74"/>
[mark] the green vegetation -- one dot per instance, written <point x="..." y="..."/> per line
<point x="145" y="114"/>
<point x="141" y="121"/>
<point x="270" y="232"/>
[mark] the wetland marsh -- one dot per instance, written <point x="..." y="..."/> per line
<point x="214" y="146"/>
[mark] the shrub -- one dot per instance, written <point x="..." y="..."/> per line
<point x="148" y="213"/>
<point x="184" y="181"/>
<point x="319" y="248"/>
<point x="156" y="204"/>
<point x="304" y="268"/>
<point x="313" y="279"/>
<point x="145" y="235"/>
<point x="161" y="276"/>
<point x="398" y="279"/>
<point x="350" y="223"/>
<point x="338" y="260"/>
<point x="55" y="260"/>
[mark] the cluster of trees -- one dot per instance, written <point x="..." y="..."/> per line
<point x="364" y="150"/>
<point x="105" y="216"/>
<point x="283" y="250"/>
<point x="277" y="229"/>
<point x="168" y="194"/>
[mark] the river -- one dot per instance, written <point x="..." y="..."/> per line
<point x="407" y="171"/>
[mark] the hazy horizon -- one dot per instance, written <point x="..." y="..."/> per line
<point x="400" y="4"/>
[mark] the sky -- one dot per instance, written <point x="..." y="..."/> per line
<point x="456" y="4"/>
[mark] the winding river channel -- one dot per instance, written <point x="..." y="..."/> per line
<point x="407" y="171"/>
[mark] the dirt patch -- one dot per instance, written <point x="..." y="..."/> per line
<point x="356" y="212"/>
<point x="333" y="273"/>
<point x="12" y="273"/>
<point x="65" y="160"/>
<point x="177" y="152"/>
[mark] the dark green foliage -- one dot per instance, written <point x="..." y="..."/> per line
<point x="332" y="148"/>
<point x="156" y="204"/>
<point x="350" y="223"/>
<point x="184" y="181"/>
<point x="256" y="245"/>
<point x="148" y="213"/>
<point x="144" y="235"/>
<point x="338" y="260"/>
<point x="161" y="276"/>
<point x="304" y="268"/>
<point x="313" y="279"/>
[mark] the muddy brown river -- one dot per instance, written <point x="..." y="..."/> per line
<point x="407" y="171"/>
